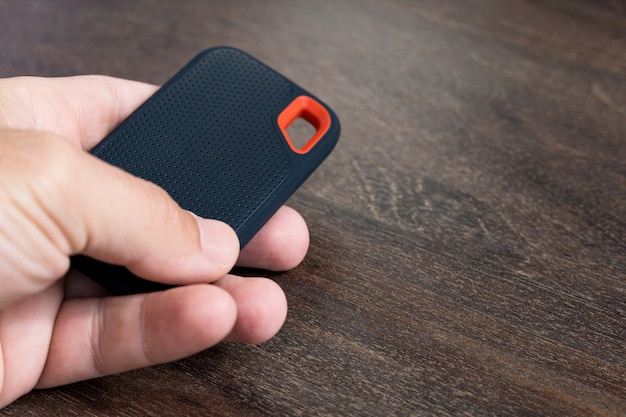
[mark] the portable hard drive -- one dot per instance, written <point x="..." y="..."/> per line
<point x="215" y="138"/>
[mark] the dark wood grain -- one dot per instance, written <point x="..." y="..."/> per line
<point x="468" y="252"/>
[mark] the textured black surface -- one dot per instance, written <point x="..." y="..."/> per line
<point x="210" y="138"/>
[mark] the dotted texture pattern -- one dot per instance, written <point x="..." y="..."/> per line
<point x="208" y="137"/>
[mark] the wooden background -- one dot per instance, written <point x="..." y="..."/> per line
<point x="468" y="252"/>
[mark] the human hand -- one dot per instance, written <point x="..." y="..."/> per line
<point x="57" y="200"/>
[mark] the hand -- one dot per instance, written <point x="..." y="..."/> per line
<point x="57" y="200"/>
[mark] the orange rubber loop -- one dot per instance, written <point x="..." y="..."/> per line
<point x="311" y="111"/>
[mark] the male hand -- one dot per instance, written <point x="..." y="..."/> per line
<point x="57" y="200"/>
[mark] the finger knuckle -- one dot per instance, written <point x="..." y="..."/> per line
<point x="55" y="168"/>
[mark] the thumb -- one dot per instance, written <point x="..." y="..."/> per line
<point x="62" y="201"/>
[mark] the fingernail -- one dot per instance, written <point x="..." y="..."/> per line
<point x="219" y="242"/>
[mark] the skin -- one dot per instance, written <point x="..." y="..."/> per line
<point x="56" y="200"/>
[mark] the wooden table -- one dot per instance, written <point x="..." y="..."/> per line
<point x="468" y="252"/>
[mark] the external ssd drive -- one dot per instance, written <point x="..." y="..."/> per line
<point x="215" y="138"/>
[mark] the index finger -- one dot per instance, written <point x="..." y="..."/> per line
<point x="83" y="109"/>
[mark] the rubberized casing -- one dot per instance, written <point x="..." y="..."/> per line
<point x="211" y="138"/>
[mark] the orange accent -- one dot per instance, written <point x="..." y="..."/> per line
<point x="311" y="111"/>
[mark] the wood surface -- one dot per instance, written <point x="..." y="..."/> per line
<point x="468" y="234"/>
